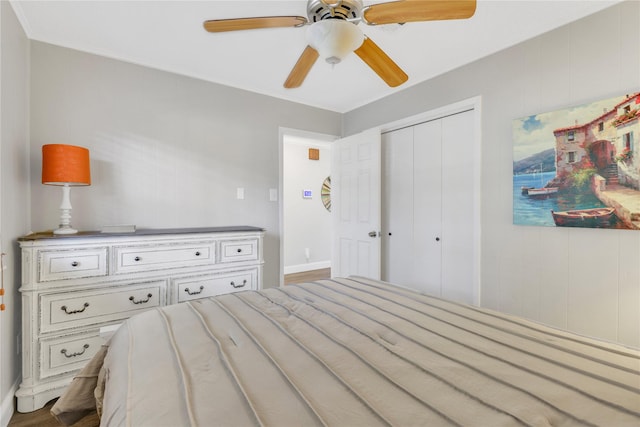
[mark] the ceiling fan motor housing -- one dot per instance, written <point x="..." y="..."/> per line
<point x="319" y="10"/>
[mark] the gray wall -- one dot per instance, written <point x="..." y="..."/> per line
<point x="166" y="150"/>
<point x="14" y="189"/>
<point x="584" y="280"/>
<point x="306" y="222"/>
<point x="170" y="151"/>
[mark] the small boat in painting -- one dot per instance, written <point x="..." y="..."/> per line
<point x="596" y="217"/>
<point x="539" y="192"/>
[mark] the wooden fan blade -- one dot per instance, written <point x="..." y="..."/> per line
<point x="379" y="62"/>
<point x="301" y="69"/>
<point x="222" y="25"/>
<point x="399" y="12"/>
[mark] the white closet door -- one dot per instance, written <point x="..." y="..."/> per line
<point x="458" y="207"/>
<point x="397" y="210"/>
<point x="427" y="224"/>
<point x="428" y="207"/>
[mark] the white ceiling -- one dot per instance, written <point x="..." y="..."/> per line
<point x="168" y="35"/>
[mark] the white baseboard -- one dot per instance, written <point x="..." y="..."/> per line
<point x="8" y="406"/>
<point x="307" y="267"/>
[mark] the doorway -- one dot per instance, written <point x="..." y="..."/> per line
<point x="305" y="217"/>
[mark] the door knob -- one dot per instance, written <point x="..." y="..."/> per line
<point x="373" y="234"/>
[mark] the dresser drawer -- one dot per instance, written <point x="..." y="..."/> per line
<point x="64" y="310"/>
<point x="69" y="353"/>
<point x="72" y="264"/>
<point x="147" y="258"/>
<point x="190" y="288"/>
<point x="239" y="250"/>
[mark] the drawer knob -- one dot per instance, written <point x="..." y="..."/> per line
<point x="79" y="353"/>
<point x="84" y="307"/>
<point x="75" y="264"/>
<point x="198" y="253"/>
<point x="239" y="250"/>
<point x="194" y="292"/>
<point x="244" y="282"/>
<point x="141" y="301"/>
<point x="137" y="258"/>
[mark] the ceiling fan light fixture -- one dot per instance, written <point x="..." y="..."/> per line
<point x="334" y="39"/>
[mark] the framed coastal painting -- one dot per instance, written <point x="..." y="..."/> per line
<point x="580" y="166"/>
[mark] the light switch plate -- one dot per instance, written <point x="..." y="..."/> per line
<point x="240" y="193"/>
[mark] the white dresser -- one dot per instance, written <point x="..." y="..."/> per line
<point x="73" y="285"/>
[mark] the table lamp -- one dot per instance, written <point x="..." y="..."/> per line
<point x="65" y="166"/>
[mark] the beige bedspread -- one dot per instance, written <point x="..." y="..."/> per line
<point x="356" y="352"/>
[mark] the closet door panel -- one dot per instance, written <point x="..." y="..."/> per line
<point x="427" y="229"/>
<point x="397" y="206"/>
<point x="457" y="207"/>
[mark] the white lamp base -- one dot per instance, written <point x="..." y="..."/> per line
<point x="65" y="216"/>
<point x="65" y="230"/>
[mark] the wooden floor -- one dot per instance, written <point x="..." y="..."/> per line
<point x="42" y="417"/>
<point x="307" y="276"/>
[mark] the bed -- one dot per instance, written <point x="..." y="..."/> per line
<point x="351" y="352"/>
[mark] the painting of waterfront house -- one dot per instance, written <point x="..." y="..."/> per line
<point x="580" y="166"/>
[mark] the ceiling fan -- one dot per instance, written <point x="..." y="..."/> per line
<point x="333" y="32"/>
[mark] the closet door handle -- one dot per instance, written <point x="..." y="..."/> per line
<point x="373" y="234"/>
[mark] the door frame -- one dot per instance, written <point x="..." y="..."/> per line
<point x="282" y="132"/>
<point x="475" y="104"/>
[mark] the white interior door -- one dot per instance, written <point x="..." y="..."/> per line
<point x="355" y="205"/>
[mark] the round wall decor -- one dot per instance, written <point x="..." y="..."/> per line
<point x="325" y="193"/>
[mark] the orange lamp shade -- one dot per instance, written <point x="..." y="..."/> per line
<point x="65" y="164"/>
